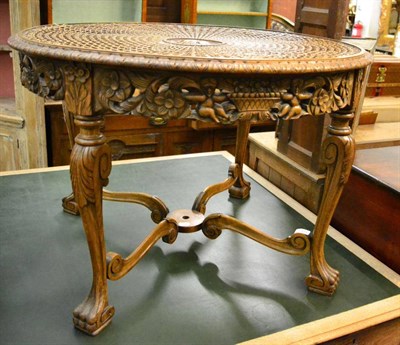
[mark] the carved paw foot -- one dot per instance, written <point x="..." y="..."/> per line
<point x="69" y="205"/>
<point x="91" y="317"/>
<point x="325" y="283"/>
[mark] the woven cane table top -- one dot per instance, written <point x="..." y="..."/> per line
<point x="190" y="47"/>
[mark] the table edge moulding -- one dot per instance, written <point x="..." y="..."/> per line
<point x="208" y="73"/>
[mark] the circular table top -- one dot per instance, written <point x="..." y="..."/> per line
<point x="194" y="48"/>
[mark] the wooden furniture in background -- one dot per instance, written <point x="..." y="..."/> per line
<point x="380" y="134"/>
<point x="11" y="125"/>
<point x="286" y="9"/>
<point x="222" y="82"/>
<point x="384" y="78"/>
<point x="10" y="121"/>
<point x="386" y="38"/>
<point x="302" y="140"/>
<point x="210" y="12"/>
<point x="300" y="183"/>
<point x="22" y="122"/>
<point x="167" y="11"/>
<point x="325" y="18"/>
<point x="131" y="137"/>
<point x="6" y="70"/>
<point x="369" y="209"/>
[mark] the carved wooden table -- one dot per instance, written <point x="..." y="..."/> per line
<point x="170" y="71"/>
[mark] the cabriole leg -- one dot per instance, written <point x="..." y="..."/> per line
<point x="90" y="168"/>
<point x="338" y="155"/>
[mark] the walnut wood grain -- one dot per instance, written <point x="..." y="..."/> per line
<point x="217" y="75"/>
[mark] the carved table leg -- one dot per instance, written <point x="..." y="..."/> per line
<point x="337" y="154"/>
<point x="90" y="168"/>
<point x="241" y="187"/>
<point x="68" y="203"/>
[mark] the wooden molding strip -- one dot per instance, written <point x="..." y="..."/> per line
<point x="383" y="84"/>
<point x="5" y="48"/>
<point x="122" y="162"/>
<point x="12" y="121"/>
<point x="335" y="326"/>
<point x="234" y="13"/>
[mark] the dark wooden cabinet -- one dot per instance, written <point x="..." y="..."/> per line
<point x="369" y="209"/>
<point x="134" y="137"/>
<point x="167" y="11"/>
<point x="301" y="140"/>
<point x="384" y="77"/>
<point x="325" y="18"/>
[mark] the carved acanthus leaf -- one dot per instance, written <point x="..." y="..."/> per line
<point x="78" y="84"/>
<point x="90" y="168"/>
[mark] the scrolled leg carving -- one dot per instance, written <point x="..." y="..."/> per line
<point x="117" y="266"/>
<point x="202" y="199"/>
<point x="211" y="230"/>
<point x="296" y="244"/>
<point x="338" y="155"/>
<point x="69" y="205"/>
<point x="90" y="168"/>
<point x="241" y="187"/>
<point x="157" y="207"/>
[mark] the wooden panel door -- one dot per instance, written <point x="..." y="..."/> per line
<point x="322" y="17"/>
<point x="301" y="140"/>
<point x="11" y="137"/>
<point x="167" y="11"/>
<point x="22" y="124"/>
